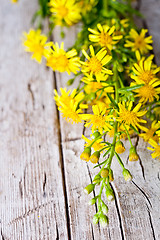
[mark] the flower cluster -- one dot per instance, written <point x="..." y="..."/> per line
<point x="119" y="88"/>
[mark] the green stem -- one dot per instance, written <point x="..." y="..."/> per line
<point x="119" y="160"/>
<point x="105" y="5"/>
<point x="128" y="136"/>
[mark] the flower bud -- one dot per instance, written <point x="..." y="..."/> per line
<point x="103" y="220"/>
<point x="86" y="154"/>
<point x="70" y="81"/>
<point x="95" y="135"/>
<point x="111" y="177"/>
<point x="89" y="188"/>
<point x="133" y="156"/>
<point x="91" y="96"/>
<point x="119" y="147"/>
<point x="109" y="194"/>
<point x="127" y="175"/>
<point x="95" y="218"/>
<point x="97" y="178"/>
<point x="93" y="201"/>
<point x="95" y="157"/>
<point x="104" y="207"/>
<point x="104" y="173"/>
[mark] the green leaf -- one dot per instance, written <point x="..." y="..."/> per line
<point x="112" y="100"/>
<point x="128" y="89"/>
<point x="134" y="129"/>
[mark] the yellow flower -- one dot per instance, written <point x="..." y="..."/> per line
<point x="98" y="145"/>
<point x="94" y="64"/>
<point x="131" y="117"/>
<point x="155" y="149"/>
<point x="99" y="119"/>
<point x="139" y="41"/>
<point x="70" y="105"/>
<point x="35" y="42"/>
<point x="85" y="155"/>
<point x="104" y="36"/>
<point x="62" y="61"/>
<point x="150" y="133"/>
<point x="148" y="92"/>
<point x="143" y="73"/>
<point x="65" y="11"/>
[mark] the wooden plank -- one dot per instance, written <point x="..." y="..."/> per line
<point x="31" y="183"/>
<point x="135" y="213"/>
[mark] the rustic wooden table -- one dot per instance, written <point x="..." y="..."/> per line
<point x="41" y="175"/>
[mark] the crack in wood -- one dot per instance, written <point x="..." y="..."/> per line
<point x="44" y="184"/>
<point x="117" y="204"/>
<point x="3" y="238"/>
<point x="62" y="164"/>
<point x="92" y="232"/>
<point x="158" y="176"/>
<point x="140" y="161"/>
<point x="32" y="95"/>
<point x="20" y="188"/>
<point x="151" y="224"/>
<point x="144" y="194"/>
<point x="57" y="232"/>
<point x="29" y="212"/>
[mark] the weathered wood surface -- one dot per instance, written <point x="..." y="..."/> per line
<point x="42" y="177"/>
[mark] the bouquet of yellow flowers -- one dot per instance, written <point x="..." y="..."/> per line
<point x="118" y="84"/>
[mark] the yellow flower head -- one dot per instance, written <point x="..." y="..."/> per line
<point x="149" y="133"/>
<point x="104" y="36"/>
<point x="158" y="132"/>
<point x="69" y="104"/>
<point x="65" y="12"/>
<point x="139" y="42"/>
<point x="95" y="64"/>
<point x="144" y="73"/>
<point x="62" y="61"/>
<point x="99" y="119"/>
<point x="155" y="149"/>
<point x="35" y="42"/>
<point x="131" y="117"/>
<point x="148" y="92"/>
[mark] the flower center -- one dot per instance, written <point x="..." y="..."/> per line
<point x="105" y="39"/>
<point x="128" y="117"/>
<point x="62" y="11"/>
<point x="94" y="65"/>
<point x="146" y="76"/>
<point x="147" y="91"/>
<point x="140" y="42"/>
<point x="62" y="61"/>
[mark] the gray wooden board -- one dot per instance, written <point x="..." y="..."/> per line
<point x="42" y="177"/>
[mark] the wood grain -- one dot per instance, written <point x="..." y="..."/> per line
<point x="42" y="177"/>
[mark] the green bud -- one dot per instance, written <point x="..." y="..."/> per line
<point x="93" y="201"/>
<point x="109" y="194"/>
<point x="95" y="135"/>
<point x="120" y="67"/>
<point x="62" y="34"/>
<point x="127" y="175"/>
<point x="92" y="96"/>
<point x="104" y="207"/>
<point x="89" y="188"/>
<point x="97" y="178"/>
<point x="133" y="156"/>
<point x="85" y="155"/>
<point x="70" y="81"/>
<point x="124" y="58"/>
<point x="111" y="177"/>
<point x="95" y="218"/>
<point x="103" y="220"/>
